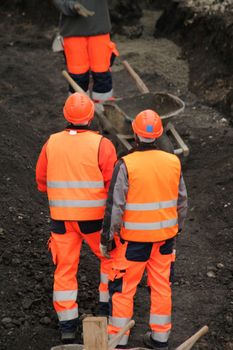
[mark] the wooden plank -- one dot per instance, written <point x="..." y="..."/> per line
<point x="95" y="333"/>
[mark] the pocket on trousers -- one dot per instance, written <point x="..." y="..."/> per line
<point x="58" y="226"/>
<point x="113" y="52"/>
<point x="91" y="226"/>
<point x="138" y="251"/>
<point x="167" y="247"/>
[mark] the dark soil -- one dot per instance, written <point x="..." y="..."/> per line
<point x="207" y="40"/>
<point x="32" y="95"/>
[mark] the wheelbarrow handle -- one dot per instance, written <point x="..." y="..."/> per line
<point x="115" y="341"/>
<point x="188" y="344"/>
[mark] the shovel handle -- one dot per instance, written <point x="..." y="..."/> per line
<point x="188" y="344"/>
<point x="115" y="341"/>
<point x="75" y="86"/>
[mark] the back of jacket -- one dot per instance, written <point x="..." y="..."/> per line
<point x="75" y="184"/>
<point x="72" y="24"/>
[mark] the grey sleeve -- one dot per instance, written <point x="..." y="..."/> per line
<point x="66" y="7"/>
<point x="116" y="202"/>
<point x="182" y="205"/>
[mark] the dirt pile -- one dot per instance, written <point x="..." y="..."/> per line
<point x="210" y="6"/>
<point x="205" y="31"/>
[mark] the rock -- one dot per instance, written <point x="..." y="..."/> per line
<point x="220" y="266"/>
<point x="27" y="303"/>
<point x="6" y="320"/>
<point x="132" y="32"/>
<point x="211" y="274"/>
<point x="45" y="320"/>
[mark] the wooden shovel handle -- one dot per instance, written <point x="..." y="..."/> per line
<point x="188" y="344"/>
<point x="140" y="84"/>
<point x="115" y="341"/>
<point x="75" y="86"/>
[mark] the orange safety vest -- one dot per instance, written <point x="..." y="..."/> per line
<point x="151" y="204"/>
<point x="75" y="184"/>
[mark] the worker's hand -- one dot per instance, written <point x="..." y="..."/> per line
<point x="104" y="251"/>
<point x="82" y="11"/>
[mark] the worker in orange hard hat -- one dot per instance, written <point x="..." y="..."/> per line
<point x="74" y="169"/>
<point x="85" y="27"/>
<point x="146" y="207"/>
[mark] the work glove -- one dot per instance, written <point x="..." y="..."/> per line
<point x="83" y="11"/>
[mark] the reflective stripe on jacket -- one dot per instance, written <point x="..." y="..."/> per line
<point x="75" y="184"/>
<point x="151" y="204"/>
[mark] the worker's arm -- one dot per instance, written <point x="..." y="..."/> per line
<point x="116" y="202"/>
<point x="182" y="205"/>
<point x="41" y="170"/>
<point x="71" y="8"/>
<point x="107" y="160"/>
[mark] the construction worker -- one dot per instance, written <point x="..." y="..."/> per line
<point x="74" y="168"/>
<point x="146" y="207"/>
<point x="85" y="27"/>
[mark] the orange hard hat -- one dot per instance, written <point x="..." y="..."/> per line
<point x="78" y="108"/>
<point x="148" y="124"/>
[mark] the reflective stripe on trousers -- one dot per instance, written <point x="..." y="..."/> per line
<point x="160" y="336"/>
<point x="118" y="323"/>
<point x="102" y="96"/>
<point x="103" y="288"/>
<point x="65" y="295"/>
<point x="67" y="315"/>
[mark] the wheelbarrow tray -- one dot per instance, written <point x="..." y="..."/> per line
<point x="165" y="104"/>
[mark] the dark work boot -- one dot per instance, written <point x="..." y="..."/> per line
<point x="153" y="344"/>
<point x="68" y="337"/>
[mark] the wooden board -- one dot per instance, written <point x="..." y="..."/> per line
<point x="95" y="333"/>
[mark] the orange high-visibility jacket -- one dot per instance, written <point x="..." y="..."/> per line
<point x="75" y="184"/>
<point x="151" y="204"/>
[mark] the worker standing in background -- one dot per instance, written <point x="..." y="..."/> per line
<point x="146" y="207"/>
<point x="75" y="168"/>
<point x="85" y="27"/>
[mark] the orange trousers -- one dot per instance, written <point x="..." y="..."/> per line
<point x="129" y="263"/>
<point x="65" y="249"/>
<point x="91" y="53"/>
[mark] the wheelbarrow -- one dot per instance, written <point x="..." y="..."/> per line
<point x="95" y="337"/>
<point x="116" y="116"/>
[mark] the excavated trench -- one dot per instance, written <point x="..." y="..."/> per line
<point x="32" y="95"/>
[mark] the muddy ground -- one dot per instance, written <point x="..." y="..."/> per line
<point x="32" y="95"/>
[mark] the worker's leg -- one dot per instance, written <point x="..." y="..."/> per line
<point x="159" y="270"/>
<point x="65" y="245"/>
<point x="101" y="50"/>
<point x="93" y="240"/>
<point x="128" y="267"/>
<point x="77" y="61"/>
